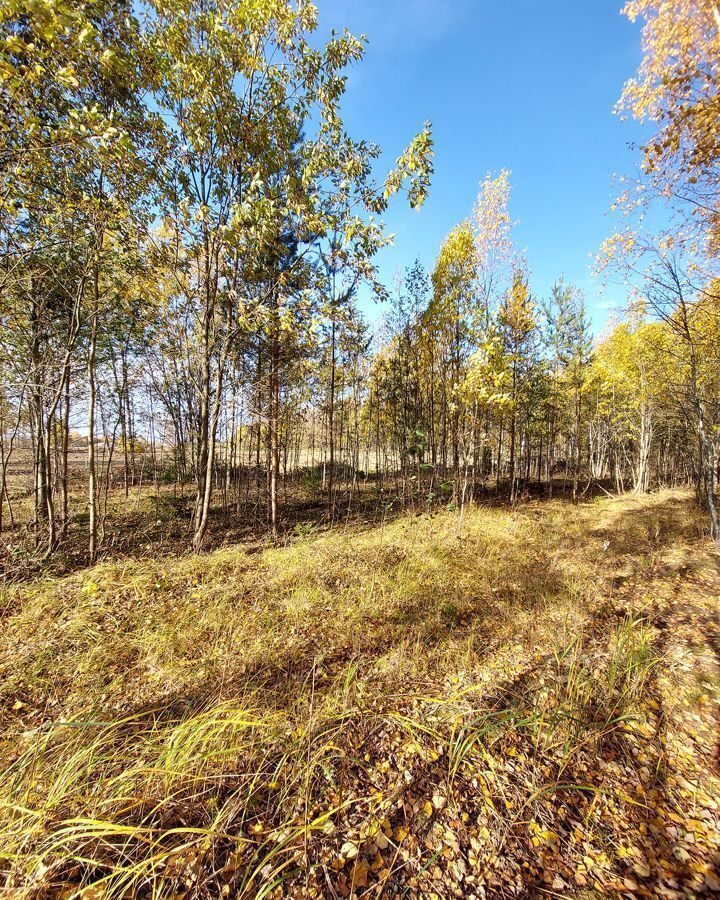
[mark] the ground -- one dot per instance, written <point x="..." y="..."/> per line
<point x="493" y="703"/>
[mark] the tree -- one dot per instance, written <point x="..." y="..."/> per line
<point x="518" y="328"/>
<point x="451" y="316"/>
<point x="496" y="257"/>
<point x="678" y="88"/>
<point x="676" y="284"/>
<point x="74" y="138"/>
<point x="629" y="375"/>
<point x="241" y="84"/>
<point x="673" y="270"/>
<point x="566" y="336"/>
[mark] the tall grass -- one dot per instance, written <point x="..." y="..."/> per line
<point x="209" y="721"/>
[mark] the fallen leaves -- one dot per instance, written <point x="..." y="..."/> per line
<point x="534" y="767"/>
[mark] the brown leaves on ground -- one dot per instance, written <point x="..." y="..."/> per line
<point x="625" y="801"/>
<point x="568" y="747"/>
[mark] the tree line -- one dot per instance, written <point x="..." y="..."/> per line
<point x="188" y="231"/>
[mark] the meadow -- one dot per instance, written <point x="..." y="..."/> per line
<point x="498" y="702"/>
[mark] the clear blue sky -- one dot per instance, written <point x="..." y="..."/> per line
<point x="521" y="84"/>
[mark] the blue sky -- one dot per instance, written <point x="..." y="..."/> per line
<point x="526" y="85"/>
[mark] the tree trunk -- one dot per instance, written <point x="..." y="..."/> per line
<point x="92" y="468"/>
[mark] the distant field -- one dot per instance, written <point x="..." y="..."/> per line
<point x="21" y="461"/>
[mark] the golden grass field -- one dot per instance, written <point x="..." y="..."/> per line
<point x="506" y="702"/>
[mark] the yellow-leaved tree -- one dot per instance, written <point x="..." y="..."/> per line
<point x="678" y="87"/>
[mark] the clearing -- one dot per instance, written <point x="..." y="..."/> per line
<point x="504" y="703"/>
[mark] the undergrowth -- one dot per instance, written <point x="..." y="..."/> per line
<point x="303" y="720"/>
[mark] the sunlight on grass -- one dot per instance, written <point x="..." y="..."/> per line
<point x="174" y="722"/>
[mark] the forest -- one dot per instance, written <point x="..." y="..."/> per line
<point x="316" y="583"/>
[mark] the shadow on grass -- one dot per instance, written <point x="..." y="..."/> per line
<point x="288" y="679"/>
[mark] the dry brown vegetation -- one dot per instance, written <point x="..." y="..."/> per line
<point x="501" y="703"/>
<point x="296" y="604"/>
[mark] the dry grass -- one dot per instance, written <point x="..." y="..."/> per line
<point x="258" y="723"/>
